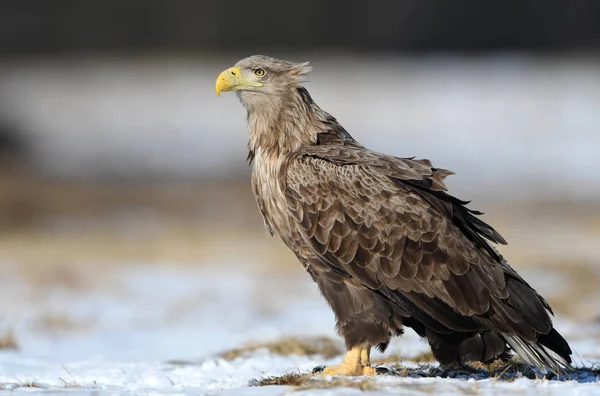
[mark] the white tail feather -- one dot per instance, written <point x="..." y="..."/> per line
<point x="538" y="355"/>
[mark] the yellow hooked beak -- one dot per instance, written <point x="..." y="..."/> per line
<point x="231" y="79"/>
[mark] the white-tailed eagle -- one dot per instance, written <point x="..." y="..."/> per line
<point x="384" y="241"/>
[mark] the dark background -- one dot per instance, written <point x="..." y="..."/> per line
<point x="415" y="26"/>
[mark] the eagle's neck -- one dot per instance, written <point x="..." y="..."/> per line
<point x="280" y="125"/>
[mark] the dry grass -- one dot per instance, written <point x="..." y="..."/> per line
<point x="497" y="365"/>
<point x="387" y="359"/>
<point x="28" y="200"/>
<point x="306" y="381"/>
<point x="582" y="279"/>
<point x="57" y="323"/>
<point x="70" y="234"/>
<point x="72" y="383"/>
<point x="425" y="357"/>
<point x="291" y="379"/>
<point x="360" y="383"/>
<point x="31" y="384"/>
<point x="51" y="225"/>
<point x="185" y="214"/>
<point x="323" y="346"/>
<point x="8" y="341"/>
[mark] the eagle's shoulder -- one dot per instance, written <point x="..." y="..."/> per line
<point x="343" y="151"/>
<point x="331" y="166"/>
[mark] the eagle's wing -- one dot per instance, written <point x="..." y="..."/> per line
<point x="387" y="222"/>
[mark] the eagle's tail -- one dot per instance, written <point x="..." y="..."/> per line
<point x="551" y="351"/>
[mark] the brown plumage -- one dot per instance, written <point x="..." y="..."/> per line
<point x="387" y="246"/>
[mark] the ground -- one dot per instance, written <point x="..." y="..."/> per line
<point x="182" y="331"/>
<point x="120" y="306"/>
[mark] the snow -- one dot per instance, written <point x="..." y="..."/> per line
<point x="160" y="329"/>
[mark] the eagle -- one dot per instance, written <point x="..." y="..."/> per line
<point x="385" y="242"/>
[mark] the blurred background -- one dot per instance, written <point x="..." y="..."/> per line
<point x="125" y="200"/>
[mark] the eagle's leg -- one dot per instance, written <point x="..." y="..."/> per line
<point x="356" y="362"/>
<point x="365" y="361"/>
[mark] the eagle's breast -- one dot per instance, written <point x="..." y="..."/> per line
<point x="268" y="188"/>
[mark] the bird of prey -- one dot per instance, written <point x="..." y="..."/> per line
<point x="386" y="244"/>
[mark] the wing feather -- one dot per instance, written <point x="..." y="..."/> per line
<point x="363" y="216"/>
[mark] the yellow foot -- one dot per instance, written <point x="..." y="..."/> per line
<point x="343" y="369"/>
<point x="356" y="362"/>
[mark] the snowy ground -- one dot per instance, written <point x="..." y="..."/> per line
<point x="161" y="330"/>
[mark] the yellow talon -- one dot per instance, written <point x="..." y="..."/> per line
<point x="355" y="363"/>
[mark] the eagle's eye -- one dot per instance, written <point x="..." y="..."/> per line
<point x="259" y="72"/>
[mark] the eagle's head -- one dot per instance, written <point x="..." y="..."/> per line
<point x="260" y="79"/>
